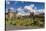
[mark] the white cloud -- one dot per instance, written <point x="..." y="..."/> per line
<point x="30" y="7"/>
<point x="19" y="9"/>
<point x="8" y="3"/>
<point x="35" y="8"/>
<point x="12" y="8"/>
<point x="39" y="11"/>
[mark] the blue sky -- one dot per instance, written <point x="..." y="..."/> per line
<point x="21" y="5"/>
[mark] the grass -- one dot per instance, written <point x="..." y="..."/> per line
<point x="26" y="21"/>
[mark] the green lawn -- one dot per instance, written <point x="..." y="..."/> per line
<point x="26" y="21"/>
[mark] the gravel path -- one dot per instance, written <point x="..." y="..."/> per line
<point x="11" y="27"/>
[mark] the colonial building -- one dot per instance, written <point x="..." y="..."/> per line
<point x="10" y="14"/>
